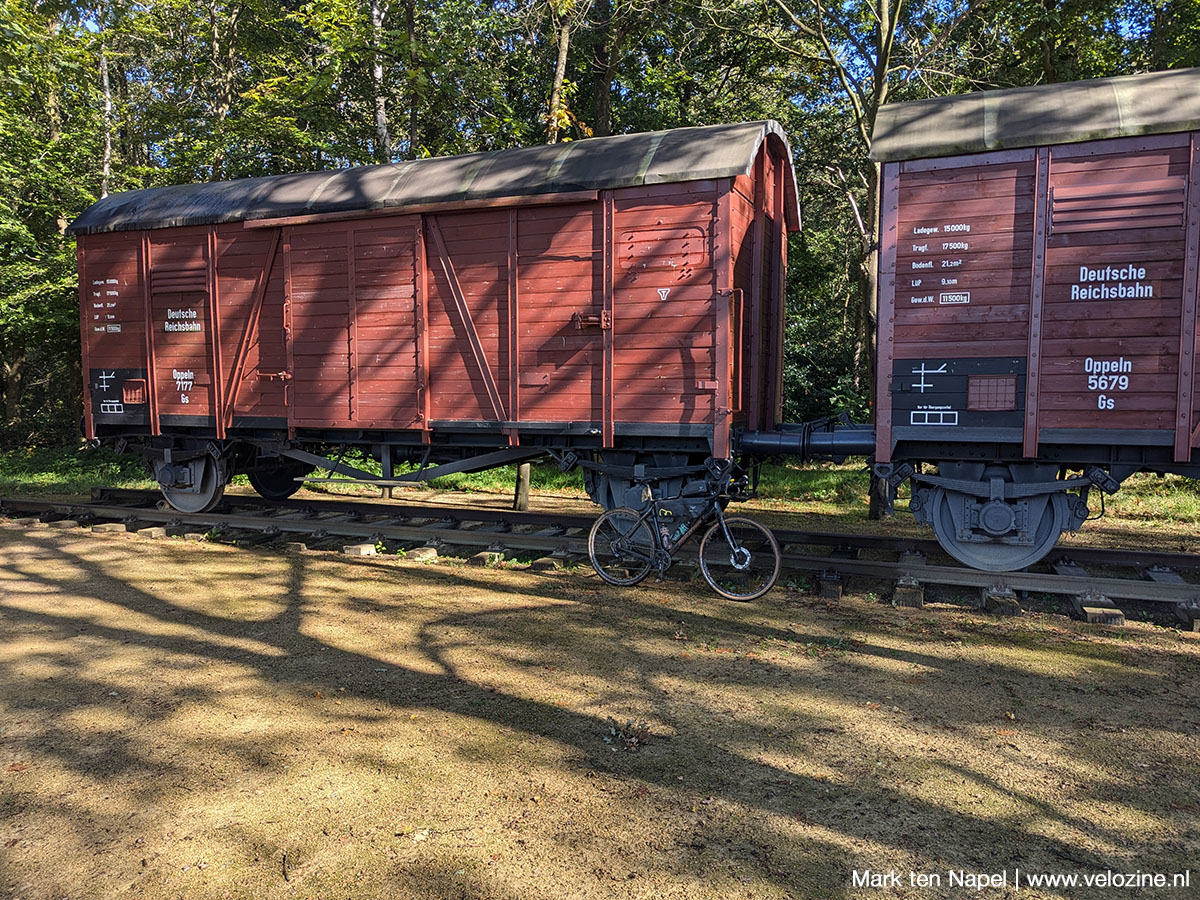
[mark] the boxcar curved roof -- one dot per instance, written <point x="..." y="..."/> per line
<point x="660" y="157"/>
<point x="1154" y="103"/>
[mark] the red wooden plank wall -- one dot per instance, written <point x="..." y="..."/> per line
<point x="964" y="230"/>
<point x="351" y="304"/>
<point x="482" y="315"/>
<point x="477" y="248"/>
<point x="112" y="310"/>
<point x="181" y="322"/>
<point x="182" y="269"/>
<point x="241" y="256"/>
<point x="559" y="275"/>
<point x="1120" y="210"/>
<point x="758" y="231"/>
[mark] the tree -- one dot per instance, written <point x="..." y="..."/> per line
<point x="565" y="16"/>
<point x="49" y="123"/>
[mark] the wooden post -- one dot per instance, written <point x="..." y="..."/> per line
<point x="216" y="395"/>
<point x="521" y="494"/>
<point x="753" y="311"/>
<point x="722" y="257"/>
<point x="424" y="403"/>
<point x="1187" y="325"/>
<point x="608" y="256"/>
<point x="351" y="328"/>
<point x="514" y="338"/>
<point x="85" y="334"/>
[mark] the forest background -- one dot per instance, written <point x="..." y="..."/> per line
<point x="103" y="97"/>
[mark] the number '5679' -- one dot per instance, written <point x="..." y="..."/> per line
<point x="1108" y="382"/>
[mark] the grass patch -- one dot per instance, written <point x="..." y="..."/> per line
<point x="819" y="483"/>
<point x="1147" y="496"/>
<point x="69" y="470"/>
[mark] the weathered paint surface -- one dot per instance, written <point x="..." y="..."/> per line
<point x="1040" y="292"/>
<point x="655" y="306"/>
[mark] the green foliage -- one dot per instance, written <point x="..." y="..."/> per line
<point x="236" y="88"/>
<point x="48" y="116"/>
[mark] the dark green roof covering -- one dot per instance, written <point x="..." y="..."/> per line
<point x="1154" y="103"/>
<point x="682" y="154"/>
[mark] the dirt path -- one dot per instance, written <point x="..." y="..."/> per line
<point x="178" y="719"/>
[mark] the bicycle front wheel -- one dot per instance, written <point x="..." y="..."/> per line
<point x="621" y="546"/>
<point x="746" y="568"/>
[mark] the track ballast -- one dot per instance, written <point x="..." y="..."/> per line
<point x="910" y="564"/>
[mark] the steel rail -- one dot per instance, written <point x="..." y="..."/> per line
<point x="377" y="521"/>
<point x="377" y="530"/>
<point x="1101" y="556"/>
<point x="1044" y="582"/>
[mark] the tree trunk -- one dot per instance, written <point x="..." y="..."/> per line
<point x="410" y="22"/>
<point x="604" y="70"/>
<point x="383" y="140"/>
<point x="560" y="74"/>
<point x="75" y="390"/>
<point x="53" y="105"/>
<point x="521" y="493"/>
<point x="14" y="386"/>
<point x="223" y="58"/>
<point x="106" y="159"/>
<point x="131" y="149"/>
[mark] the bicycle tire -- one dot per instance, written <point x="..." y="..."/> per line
<point x="730" y="576"/>
<point x="621" y="547"/>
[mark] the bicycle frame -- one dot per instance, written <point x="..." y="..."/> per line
<point x="664" y="547"/>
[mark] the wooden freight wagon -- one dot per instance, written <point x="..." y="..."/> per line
<point x="1037" y="303"/>
<point x="615" y="302"/>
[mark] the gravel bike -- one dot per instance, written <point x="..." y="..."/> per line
<point x="739" y="558"/>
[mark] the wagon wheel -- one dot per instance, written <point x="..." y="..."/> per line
<point x="741" y="560"/>
<point x="621" y="547"/>
<point x="991" y="546"/>
<point x="278" y="482"/>
<point x="210" y="489"/>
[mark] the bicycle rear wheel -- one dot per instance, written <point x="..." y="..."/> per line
<point x="621" y="546"/>
<point x="745" y="569"/>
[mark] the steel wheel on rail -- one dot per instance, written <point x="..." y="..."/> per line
<point x="621" y="546"/>
<point x="278" y="482"/>
<point x="741" y="560"/>
<point x="1008" y="536"/>
<point x="201" y="493"/>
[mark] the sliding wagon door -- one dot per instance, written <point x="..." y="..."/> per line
<point x="352" y="324"/>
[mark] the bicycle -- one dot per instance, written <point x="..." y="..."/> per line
<point x="739" y="558"/>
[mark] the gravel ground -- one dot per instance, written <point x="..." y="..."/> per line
<point x="197" y="720"/>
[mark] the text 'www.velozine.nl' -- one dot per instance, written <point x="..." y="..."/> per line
<point x="1019" y="879"/>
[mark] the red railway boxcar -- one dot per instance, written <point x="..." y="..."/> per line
<point x="615" y="302"/>
<point x="1037" y="303"/>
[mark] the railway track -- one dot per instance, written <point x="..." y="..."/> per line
<point x="1092" y="579"/>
